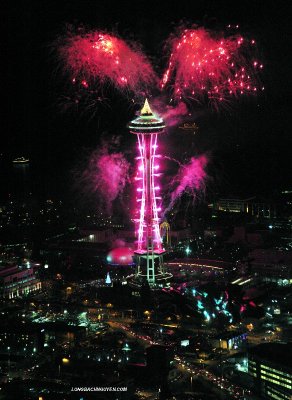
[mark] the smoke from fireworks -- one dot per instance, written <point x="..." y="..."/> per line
<point x="106" y="175"/>
<point x="174" y="115"/>
<point x="189" y="179"/>
<point x="96" y="58"/>
<point x="203" y="65"/>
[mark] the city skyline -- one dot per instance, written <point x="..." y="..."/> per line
<point x="145" y="201"/>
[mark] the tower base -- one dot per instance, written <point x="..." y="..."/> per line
<point x="150" y="268"/>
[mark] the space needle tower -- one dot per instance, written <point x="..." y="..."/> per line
<point x="149" y="249"/>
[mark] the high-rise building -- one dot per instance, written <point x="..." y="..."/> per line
<point x="270" y="364"/>
<point x="18" y="281"/>
<point x="149" y="251"/>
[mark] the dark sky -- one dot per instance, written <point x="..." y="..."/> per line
<point x="250" y="147"/>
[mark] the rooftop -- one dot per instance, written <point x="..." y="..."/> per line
<point x="229" y="335"/>
<point x="278" y="353"/>
<point x="147" y="122"/>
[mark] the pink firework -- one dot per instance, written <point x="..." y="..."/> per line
<point x="100" y="57"/>
<point x="106" y="175"/>
<point x="189" y="179"/>
<point x="203" y="65"/>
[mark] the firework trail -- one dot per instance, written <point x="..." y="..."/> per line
<point x="203" y="66"/>
<point x="106" y="175"/>
<point x="96" y="58"/>
<point x="190" y="179"/>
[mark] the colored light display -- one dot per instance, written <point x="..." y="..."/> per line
<point x="203" y="65"/>
<point x="96" y="58"/>
<point x="207" y="64"/>
<point x="108" y="280"/>
<point x="147" y="127"/>
<point x="120" y="256"/>
<point x="210" y="307"/>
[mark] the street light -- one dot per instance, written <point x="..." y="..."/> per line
<point x="222" y="369"/>
<point x="8" y="348"/>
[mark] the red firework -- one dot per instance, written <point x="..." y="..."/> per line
<point x="97" y="57"/>
<point x="204" y="65"/>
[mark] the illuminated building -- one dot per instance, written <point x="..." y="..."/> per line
<point x="149" y="251"/>
<point x="272" y="265"/>
<point x="25" y="341"/>
<point x="108" y="280"/>
<point x="120" y="256"/>
<point x="234" y="205"/>
<point x="270" y="365"/>
<point x="18" y="281"/>
<point x="249" y="206"/>
<point x="229" y="340"/>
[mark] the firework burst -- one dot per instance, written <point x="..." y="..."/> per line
<point x="203" y="66"/>
<point x="96" y="58"/>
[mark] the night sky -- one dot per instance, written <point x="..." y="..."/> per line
<point x="250" y="146"/>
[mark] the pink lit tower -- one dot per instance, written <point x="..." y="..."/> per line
<point x="149" y="251"/>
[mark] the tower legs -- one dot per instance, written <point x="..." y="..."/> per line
<point x="150" y="267"/>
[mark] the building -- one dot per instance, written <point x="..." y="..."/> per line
<point x="18" y="281"/>
<point x="270" y="365"/>
<point x="149" y="250"/>
<point x="229" y="340"/>
<point x="23" y="342"/>
<point x="234" y="205"/>
<point x="272" y="265"/>
<point x="158" y="360"/>
<point x="250" y="205"/>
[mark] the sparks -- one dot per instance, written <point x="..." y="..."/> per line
<point x="190" y="178"/>
<point x="98" y="58"/>
<point x="202" y="65"/>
